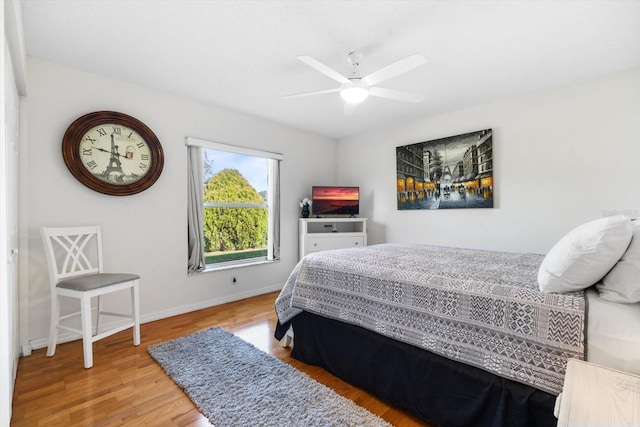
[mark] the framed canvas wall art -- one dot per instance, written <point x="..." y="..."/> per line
<point x="448" y="173"/>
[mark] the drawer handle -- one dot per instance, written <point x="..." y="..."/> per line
<point x="356" y="243"/>
<point x="315" y="244"/>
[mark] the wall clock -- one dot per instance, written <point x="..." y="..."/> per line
<point x="112" y="153"/>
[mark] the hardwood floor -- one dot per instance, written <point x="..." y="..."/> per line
<point x="126" y="386"/>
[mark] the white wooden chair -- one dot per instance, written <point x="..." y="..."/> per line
<point x="74" y="257"/>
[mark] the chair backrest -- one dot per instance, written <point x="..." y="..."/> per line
<point x="72" y="251"/>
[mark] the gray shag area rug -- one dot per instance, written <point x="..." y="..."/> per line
<point x="236" y="384"/>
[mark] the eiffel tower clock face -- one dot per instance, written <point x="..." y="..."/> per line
<point x="112" y="153"/>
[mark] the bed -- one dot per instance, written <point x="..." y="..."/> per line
<point x="455" y="336"/>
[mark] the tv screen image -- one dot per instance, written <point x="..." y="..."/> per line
<point x="335" y="200"/>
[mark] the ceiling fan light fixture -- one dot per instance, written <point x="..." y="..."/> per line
<point x="354" y="89"/>
<point x="354" y="93"/>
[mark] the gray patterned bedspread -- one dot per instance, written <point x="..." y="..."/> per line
<point x="482" y="308"/>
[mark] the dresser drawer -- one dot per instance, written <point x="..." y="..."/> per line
<point x="316" y="244"/>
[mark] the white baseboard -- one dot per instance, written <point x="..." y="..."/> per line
<point x="26" y="350"/>
<point x="150" y="317"/>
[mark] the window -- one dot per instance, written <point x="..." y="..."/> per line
<point x="233" y="205"/>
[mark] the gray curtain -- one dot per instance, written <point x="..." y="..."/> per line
<point x="275" y="207"/>
<point x="194" y="210"/>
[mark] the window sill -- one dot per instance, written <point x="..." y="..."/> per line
<point x="232" y="265"/>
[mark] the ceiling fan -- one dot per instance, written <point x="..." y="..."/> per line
<point x="355" y="89"/>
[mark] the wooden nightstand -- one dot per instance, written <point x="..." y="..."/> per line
<point x="596" y="396"/>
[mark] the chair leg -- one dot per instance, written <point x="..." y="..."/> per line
<point x="135" y="310"/>
<point x="98" y="311"/>
<point x="87" y="343"/>
<point x="53" y="327"/>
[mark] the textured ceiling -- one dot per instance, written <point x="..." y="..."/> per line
<point x="241" y="55"/>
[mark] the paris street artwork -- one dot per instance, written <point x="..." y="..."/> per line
<point x="448" y="173"/>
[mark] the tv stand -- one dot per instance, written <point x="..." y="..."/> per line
<point x="321" y="234"/>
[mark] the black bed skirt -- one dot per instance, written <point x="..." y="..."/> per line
<point x="436" y="389"/>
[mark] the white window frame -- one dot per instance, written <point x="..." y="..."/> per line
<point x="272" y="204"/>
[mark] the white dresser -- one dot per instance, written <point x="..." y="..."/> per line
<point x="321" y="234"/>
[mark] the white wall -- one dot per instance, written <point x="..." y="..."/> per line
<point x="561" y="157"/>
<point x="146" y="233"/>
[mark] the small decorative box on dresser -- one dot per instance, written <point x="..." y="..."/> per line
<point x="596" y="396"/>
<point x="321" y="234"/>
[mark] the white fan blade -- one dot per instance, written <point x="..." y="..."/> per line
<point x="392" y="70"/>
<point x="319" y="66"/>
<point x="315" y="92"/>
<point x="395" y="94"/>
<point x="349" y="109"/>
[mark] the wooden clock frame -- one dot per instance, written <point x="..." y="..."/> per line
<point x="71" y="153"/>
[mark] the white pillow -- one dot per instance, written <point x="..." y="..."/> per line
<point x="622" y="283"/>
<point x="585" y="255"/>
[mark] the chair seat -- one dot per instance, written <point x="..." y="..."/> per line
<point x="95" y="281"/>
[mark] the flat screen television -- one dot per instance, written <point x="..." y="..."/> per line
<point x="335" y="201"/>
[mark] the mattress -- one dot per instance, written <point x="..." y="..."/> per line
<point x="482" y="308"/>
<point x="613" y="333"/>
